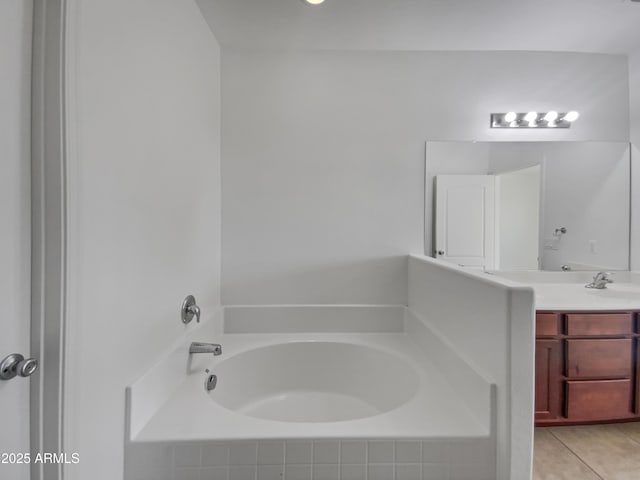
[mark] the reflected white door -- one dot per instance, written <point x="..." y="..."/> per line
<point x="15" y="247"/>
<point x="517" y="219"/>
<point x="465" y="220"/>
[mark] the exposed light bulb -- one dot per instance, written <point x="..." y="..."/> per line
<point x="313" y="2"/>
<point x="510" y="117"/>
<point x="551" y="116"/>
<point x="513" y="124"/>
<point x="571" y="116"/>
<point x="531" y="117"/>
<point x="532" y="123"/>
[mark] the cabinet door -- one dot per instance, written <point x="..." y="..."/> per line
<point x="548" y="379"/>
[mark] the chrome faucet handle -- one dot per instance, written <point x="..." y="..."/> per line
<point x="603" y="276"/>
<point x="189" y="310"/>
<point x="195" y="310"/>
<point x="600" y="281"/>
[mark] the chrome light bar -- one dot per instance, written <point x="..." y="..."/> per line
<point x="533" y="120"/>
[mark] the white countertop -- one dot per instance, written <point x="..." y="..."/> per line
<point x="558" y="296"/>
<point x="566" y="290"/>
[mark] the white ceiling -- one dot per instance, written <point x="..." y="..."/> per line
<point x="597" y="26"/>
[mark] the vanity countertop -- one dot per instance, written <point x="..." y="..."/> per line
<point x="562" y="296"/>
<point x="566" y="290"/>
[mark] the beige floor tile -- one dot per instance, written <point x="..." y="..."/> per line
<point x="612" y="455"/>
<point x="553" y="461"/>
<point x="632" y="430"/>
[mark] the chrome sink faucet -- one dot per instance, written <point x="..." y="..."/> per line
<point x="199" y="347"/>
<point x="600" y="281"/>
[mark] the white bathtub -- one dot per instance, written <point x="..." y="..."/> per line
<point x="309" y="372"/>
<point x="314" y="381"/>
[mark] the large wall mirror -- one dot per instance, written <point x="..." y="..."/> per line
<point x="529" y="205"/>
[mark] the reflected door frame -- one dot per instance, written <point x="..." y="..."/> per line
<point x="49" y="243"/>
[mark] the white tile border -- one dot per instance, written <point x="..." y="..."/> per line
<point x="429" y="460"/>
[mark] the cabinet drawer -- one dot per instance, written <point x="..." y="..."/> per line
<point x="599" y="358"/>
<point x="547" y="324"/>
<point x="599" y="323"/>
<point x="598" y="400"/>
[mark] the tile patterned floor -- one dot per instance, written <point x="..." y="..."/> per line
<point x="592" y="452"/>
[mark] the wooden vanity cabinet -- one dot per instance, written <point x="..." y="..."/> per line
<point x="599" y="324"/>
<point x="636" y="356"/>
<point x="601" y="400"/>
<point x="598" y="358"/>
<point x="586" y="367"/>
<point x="548" y="386"/>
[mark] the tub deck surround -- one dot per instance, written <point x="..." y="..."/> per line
<point x="467" y="338"/>
<point x="489" y="320"/>
<point x="402" y="393"/>
<point x="151" y="390"/>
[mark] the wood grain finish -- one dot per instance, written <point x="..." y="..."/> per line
<point x="595" y="375"/>
<point x="636" y="357"/>
<point x="547" y="324"/>
<point x="598" y="399"/>
<point x="599" y="324"/>
<point x="599" y="358"/>
<point x="548" y="388"/>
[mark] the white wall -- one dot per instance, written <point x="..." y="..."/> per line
<point x="15" y="247"/>
<point x="323" y="155"/>
<point x="634" y="101"/>
<point x="588" y="193"/>
<point x="585" y="190"/>
<point x="634" y="96"/>
<point x="144" y="205"/>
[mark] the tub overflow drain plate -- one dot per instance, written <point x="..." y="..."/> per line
<point x="211" y="382"/>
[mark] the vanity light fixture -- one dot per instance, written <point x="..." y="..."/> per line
<point x="550" y="119"/>
<point x="313" y="2"/>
